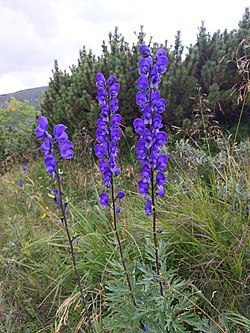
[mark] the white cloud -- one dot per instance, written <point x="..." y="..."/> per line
<point x="34" y="33"/>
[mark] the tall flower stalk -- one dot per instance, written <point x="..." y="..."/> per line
<point x="64" y="147"/>
<point x="151" y="136"/>
<point x="108" y="133"/>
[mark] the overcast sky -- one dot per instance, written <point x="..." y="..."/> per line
<point x="35" y="32"/>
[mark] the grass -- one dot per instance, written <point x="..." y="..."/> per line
<point x="203" y="220"/>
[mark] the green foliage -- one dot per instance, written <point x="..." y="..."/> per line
<point x="208" y="227"/>
<point x="203" y="220"/>
<point x="208" y="68"/>
<point x="205" y="240"/>
<point x="17" y="122"/>
<point x="175" y="311"/>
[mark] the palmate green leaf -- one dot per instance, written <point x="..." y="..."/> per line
<point x="145" y="269"/>
<point x="115" y="268"/>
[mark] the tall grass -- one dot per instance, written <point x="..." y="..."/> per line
<point x="203" y="220"/>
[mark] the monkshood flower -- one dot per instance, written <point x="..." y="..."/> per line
<point x="59" y="139"/>
<point x="149" y="125"/>
<point x="108" y="133"/>
<point x="56" y="147"/>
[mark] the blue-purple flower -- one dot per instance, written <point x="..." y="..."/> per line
<point x="65" y="149"/>
<point x="120" y="195"/>
<point x="42" y="128"/>
<point x="108" y="132"/>
<point x="104" y="199"/>
<point x="59" y="138"/>
<point x="149" y="125"/>
<point x="50" y="163"/>
<point x="59" y="133"/>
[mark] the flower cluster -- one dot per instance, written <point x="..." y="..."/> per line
<point x="108" y="132"/>
<point x="59" y="137"/>
<point x="148" y="127"/>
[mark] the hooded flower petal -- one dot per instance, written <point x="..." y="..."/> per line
<point x="120" y="195"/>
<point x="104" y="199"/>
<point x="144" y="50"/>
<point x="65" y="149"/>
<point x="42" y="128"/>
<point x="47" y="146"/>
<point x="50" y="164"/>
<point x="148" y="207"/>
<point x="59" y="133"/>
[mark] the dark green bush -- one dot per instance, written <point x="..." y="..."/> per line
<point x="207" y="70"/>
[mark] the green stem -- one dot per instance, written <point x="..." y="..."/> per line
<point x="70" y="240"/>
<point x="154" y="232"/>
<point x="239" y="120"/>
<point x="119" y="241"/>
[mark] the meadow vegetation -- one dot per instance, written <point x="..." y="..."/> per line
<point x="204" y="224"/>
<point x="202" y="227"/>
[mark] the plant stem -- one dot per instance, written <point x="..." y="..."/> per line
<point x="64" y="219"/>
<point x="119" y="241"/>
<point x="154" y="231"/>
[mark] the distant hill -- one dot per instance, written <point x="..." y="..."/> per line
<point x="33" y="96"/>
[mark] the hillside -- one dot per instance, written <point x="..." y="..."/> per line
<point x="33" y="96"/>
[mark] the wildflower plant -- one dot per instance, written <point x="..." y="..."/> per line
<point x="149" y="296"/>
<point x="151" y="136"/>
<point x="55" y="148"/>
<point x="108" y="134"/>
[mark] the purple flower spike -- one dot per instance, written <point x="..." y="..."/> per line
<point x="104" y="199"/>
<point x="59" y="138"/>
<point x="148" y="126"/>
<point x="108" y="133"/>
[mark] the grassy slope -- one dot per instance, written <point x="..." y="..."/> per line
<point x="204" y="221"/>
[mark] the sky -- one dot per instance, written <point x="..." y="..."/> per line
<point x="33" y="33"/>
